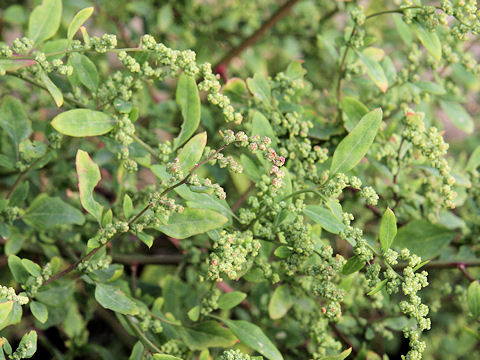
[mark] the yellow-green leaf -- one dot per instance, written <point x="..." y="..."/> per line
<point x="280" y="302"/>
<point x="83" y="122"/>
<point x="388" y="229"/>
<point x="52" y="89"/>
<point x="374" y="71"/>
<point x="78" y="20"/>
<point x="44" y="20"/>
<point x="111" y="297"/>
<point x="429" y="39"/>
<point x="88" y="177"/>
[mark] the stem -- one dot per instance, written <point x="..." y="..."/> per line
<point x="445" y="264"/>
<point x="395" y="177"/>
<point x="252" y="39"/>
<point x="142" y="337"/>
<point x="22" y="175"/>
<point x="162" y="319"/>
<point x="463" y="269"/>
<point x="67" y="52"/>
<point x="143" y="144"/>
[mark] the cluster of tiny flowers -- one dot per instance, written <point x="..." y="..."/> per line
<point x="22" y="45"/>
<point x="22" y="351"/>
<point x="164" y="151"/>
<point x="175" y="348"/>
<point x="122" y="133"/>
<point x="432" y="146"/>
<point x="90" y="265"/>
<point x="369" y="194"/>
<point x="33" y="283"/>
<point x="231" y="254"/>
<point x="412" y="283"/>
<point x="103" y="44"/>
<point x="9" y="213"/>
<point x="336" y="184"/>
<point x="354" y="236"/>
<point x="210" y="302"/>
<point x="129" y="62"/>
<point x="236" y="355"/>
<point x="162" y="207"/>
<point x="146" y="322"/>
<point x="118" y="85"/>
<point x="9" y="294"/>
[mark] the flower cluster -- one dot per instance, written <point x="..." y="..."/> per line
<point x="9" y="294"/>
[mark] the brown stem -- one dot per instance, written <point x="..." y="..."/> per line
<point x="372" y="208"/>
<point x="463" y="269"/>
<point x="343" y="337"/>
<point x="242" y="198"/>
<point x="252" y="39"/>
<point x="22" y="175"/>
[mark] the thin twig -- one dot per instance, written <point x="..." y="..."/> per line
<point x="252" y="39"/>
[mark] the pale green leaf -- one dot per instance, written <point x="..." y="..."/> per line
<point x="231" y="299"/>
<point x="280" y="302"/>
<point x="374" y="71"/>
<point x="343" y="355"/>
<point x="5" y="309"/>
<point x="429" y="39"/>
<point x="44" y="20"/>
<point x="473" y="298"/>
<point x="85" y="71"/>
<point x="88" y="177"/>
<point x="260" y="88"/>
<point x="356" y="144"/>
<point x="111" y="297"/>
<point x="39" y="310"/>
<point x="206" y="334"/>
<point x="192" y="152"/>
<point x="473" y="160"/>
<point x="78" y="20"/>
<point x="353" y="111"/>
<point x="14" y="120"/>
<point x="458" y="115"/>
<point x="127" y="206"/>
<point x="83" y="122"/>
<point x="388" y="229"/>
<point x="325" y="218"/>
<point x="188" y="99"/>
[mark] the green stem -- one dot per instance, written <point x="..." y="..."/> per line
<point x="22" y="175"/>
<point x="144" y="145"/>
<point x="141" y="336"/>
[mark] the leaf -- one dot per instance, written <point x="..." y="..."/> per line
<point x="137" y="351"/>
<point x="14" y="65"/>
<point x="14" y="120"/>
<point x="473" y="160"/>
<point x="127" y="206"/>
<point x="188" y="99"/>
<point x="85" y="70"/>
<point x="473" y="298"/>
<point x="252" y="336"/>
<point x="83" y="122"/>
<point x="192" y="222"/>
<point x="192" y="152"/>
<point x="356" y="144"/>
<point x="5" y="309"/>
<point x="388" y="229"/>
<point x="52" y="89"/>
<point x="261" y="126"/>
<point x="260" y="88"/>
<point x="39" y="310"/>
<point x="423" y="238"/>
<point x="111" y="297"/>
<point x="207" y="334"/>
<point x="429" y="39"/>
<point x="145" y="238"/>
<point x="374" y="71"/>
<point x="378" y="287"/>
<point x="353" y="265"/>
<point x="78" y="20"/>
<point x="88" y="177"/>
<point x="45" y="20"/>
<point x="31" y="339"/>
<point x="57" y="294"/>
<point x="458" y="115"/>
<point x="231" y="299"/>
<point x="17" y="269"/>
<point x="325" y="218"/>
<point x="403" y="29"/>
<point x="353" y="111"/>
<point x="46" y="212"/>
<point x="282" y="252"/>
<point x="194" y="313"/>
<point x="343" y="355"/>
<point x="280" y="302"/>
<point x="165" y="357"/>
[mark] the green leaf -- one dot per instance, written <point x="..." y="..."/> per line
<point x="86" y="71"/>
<point x="78" y="20"/>
<point x="30" y="338"/>
<point x="192" y="222"/>
<point x="403" y="29"/>
<point x="39" y="310"/>
<point x="280" y="302"/>
<point x="165" y="357"/>
<point x="356" y="144"/>
<point x="83" y="122"/>
<point x="46" y="212"/>
<point x="473" y="298"/>
<point x="374" y="71"/>
<point x="472" y="164"/>
<point x="145" y="238"/>
<point x="353" y="111"/>
<point x="111" y="297"/>
<point x="192" y="152"/>
<point x="458" y="115"/>
<point x="52" y="89"/>
<point x="5" y="309"/>
<point x="325" y="218"/>
<point x="17" y="268"/>
<point x="353" y="265"/>
<point x="282" y="252"/>
<point x="137" y="351"/>
<point x="14" y="244"/>
<point x="388" y="229"/>
<point x="13" y="317"/>
<point x="188" y="99"/>
<point x="343" y="355"/>
<point x="14" y="120"/>
<point x="14" y="65"/>
<point x="261" y="126"/>
<point x="206" y="334"/>
<point x="429" y="39"/>
<point x="194" y="313"/>
<point x="378" y="287"/>
<point x="127" y="206"/>
<point x="20" y="194"/>
<point x="231" y="299"/>
<point x="33" y="268"/>
<point x="260" y="88"/>
<point x="45" y="20"/>
<point x="56" y="294"/>
<point x="88" y="177"/>
<point x="423" y="238"/>
<point x="252" y="336"/>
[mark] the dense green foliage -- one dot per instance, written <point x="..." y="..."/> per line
<point x="293" y="201"/>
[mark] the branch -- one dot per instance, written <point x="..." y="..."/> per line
<point x="147" y="259"/>
<point x="252" y="39"/>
